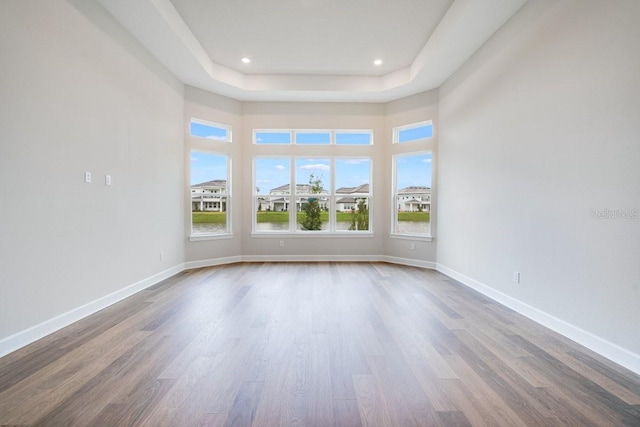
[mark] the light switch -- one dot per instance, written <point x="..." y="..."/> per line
<point x="87" y="176"/>
<point x="107" y="180"/>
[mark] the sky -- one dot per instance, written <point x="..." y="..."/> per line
<point x="274" y="172"/>
<point x="413" y="170"/>
<point x="219" y="133"/>
<point x="414" y="133"/>
<point x="313" y="137"/>
<point x="207" y="167"/>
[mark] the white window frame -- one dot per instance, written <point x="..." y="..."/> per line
<point x="394" y="198"/>
<point x="332" y="133"/>
<point x="397" y="130"/>
<point x="332" y="197"/>
<point x="228" y="129"/>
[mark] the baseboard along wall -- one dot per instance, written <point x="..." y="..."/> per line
<point x="597" y="344"/>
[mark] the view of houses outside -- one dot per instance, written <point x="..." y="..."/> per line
<point x="341" y="207"/>
<point x="412" y="194"/>
<point x="274" y="202"/>
<point x="209" y="193"/>
<point x="349" y="202"/>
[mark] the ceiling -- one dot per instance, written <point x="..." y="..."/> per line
<point x="313" y="50"/>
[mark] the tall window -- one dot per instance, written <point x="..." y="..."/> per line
<point x="210" y="193"/>
<point x="353" y="194"/>
<point x="272" y="198"/>
<point x="412" y="194"/>
<point x="313" y="190"/>
<point x="210" y="179"/>
<point x="328" y="195"/>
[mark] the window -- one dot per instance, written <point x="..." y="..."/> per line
<point x="271" y="137"/>
<point x="272" y="199"/>
<point x="414" y="132"/>
<point x="313" y="137"/>
<point x="353" y="194"/>
<point x="210" y="194"/>
<point x="412" y="194"/>
<point x="313" y="187"/>
<point x="354" y="137"/>
<point x="209" y="130"/>
<point x="329" y="194"/>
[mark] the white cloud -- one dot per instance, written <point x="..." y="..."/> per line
<point x="280" y="167"/>
<point x="317" y="166"/>
<point x="217" y="137"/>
<point x="426" y="160"/>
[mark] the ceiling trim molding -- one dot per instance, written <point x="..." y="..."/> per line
<point x="466" y="26"/>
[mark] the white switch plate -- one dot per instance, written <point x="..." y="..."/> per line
<point x="87" y="176"/>
<point x="516" y="277"/>
<point x="107" y="180"/>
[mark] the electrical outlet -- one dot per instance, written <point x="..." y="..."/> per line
<point x="516" y="277"/>
<point x="282" y="243"/>
<point x="413" y="246"/>
<point x="107" y="180"/>
<point x="87" y="177"/>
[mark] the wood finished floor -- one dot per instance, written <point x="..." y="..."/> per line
<point x="322" y="344"/>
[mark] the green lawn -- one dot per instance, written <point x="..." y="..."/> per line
<point x="284" y="216"/>
<point x="414" y="216"/>
<point x="208" y="217"/>
<point x="221" y="217"/>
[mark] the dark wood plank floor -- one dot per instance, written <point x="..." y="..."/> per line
<point x="321" y="344"/>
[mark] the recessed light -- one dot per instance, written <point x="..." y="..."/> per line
<point x="246" y="60"/>
<point x="377" y="62"/>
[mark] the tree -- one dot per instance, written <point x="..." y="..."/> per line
<point x="360" y="217"/>
<point x="311" y="218"/>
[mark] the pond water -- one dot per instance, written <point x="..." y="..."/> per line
<point x="208" y="228"/>
<point x="408" y="227"/>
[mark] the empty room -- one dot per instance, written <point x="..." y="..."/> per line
<point x="319" y="213"/>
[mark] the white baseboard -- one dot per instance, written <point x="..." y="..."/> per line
<point x="611" y="351"/>
<point x="14" y="342"/>
<point x="311" y="258"/>
<point x="212" y="262"/>
<point x="410" y="262"/>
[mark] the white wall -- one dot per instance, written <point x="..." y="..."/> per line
<point x="78" y="93"/>
<point x="540" y="127"/>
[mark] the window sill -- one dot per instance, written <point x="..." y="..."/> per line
<point x="411" y="237"/>
<point x="312" y="234"/>
<point x="202" y="237"/>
